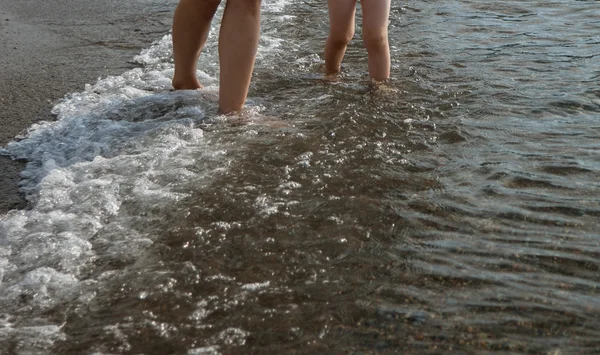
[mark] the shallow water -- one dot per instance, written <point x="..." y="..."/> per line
<point x="455" y="209"/>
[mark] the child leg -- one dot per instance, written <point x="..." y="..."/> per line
<point x="191" y="25"/>
<point x="341" y="31"/>
<point x="376" y="15"/>
<point x="238" y="43"/>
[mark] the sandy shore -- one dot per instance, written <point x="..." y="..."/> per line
<point x="51" y="48"/>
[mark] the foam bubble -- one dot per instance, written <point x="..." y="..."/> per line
<point x="117" y="142"/>
<point x="119" y="149"/>
<point x="207" y="350"/>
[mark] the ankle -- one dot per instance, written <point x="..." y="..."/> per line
<point x="187" y="83"/>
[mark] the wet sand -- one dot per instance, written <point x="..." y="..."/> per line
<point x="51" y="48"/>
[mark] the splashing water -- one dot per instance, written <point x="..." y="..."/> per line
<point x="455" y="209"/>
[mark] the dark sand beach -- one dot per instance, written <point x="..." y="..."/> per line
<point x="51" y="48"/>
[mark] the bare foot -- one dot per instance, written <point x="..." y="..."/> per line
<point x="333" y="78"/>
<point x="225" y="112"/>
<point x="186" y="84"/>
<point x="252" y="117"/>
<point x="384" y="86"/>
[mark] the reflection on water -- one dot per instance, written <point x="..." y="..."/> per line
<point x="455" y="209"/>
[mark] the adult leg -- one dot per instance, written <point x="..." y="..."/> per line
<point x="341" y="31"/>
<point x="191" y="25"/>
<point x="376" y="15"/>
<point x="238" y="43"/>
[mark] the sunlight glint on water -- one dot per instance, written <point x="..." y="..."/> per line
<point x="455" y="209"/>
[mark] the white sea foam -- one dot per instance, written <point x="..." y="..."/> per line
<point x="123" y="145"/>
<point x="123" y="140"/>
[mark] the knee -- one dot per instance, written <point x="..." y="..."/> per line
<point x="340" y="40"/>
<point x="203" y="7"/>
<point x="205" y="3"/>
<point x="251" y="7"/>
<point x="210" y="3"/>
<point x="375" y="41"/>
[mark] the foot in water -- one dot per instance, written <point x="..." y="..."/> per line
<point x="382" y="87"/>
<point x="251" y="116"/>
<point x="186" y="84"/>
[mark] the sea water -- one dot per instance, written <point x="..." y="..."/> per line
<point x="455" y="209"/>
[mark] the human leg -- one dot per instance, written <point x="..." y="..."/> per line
<point x="376" y="15"/>
<point x="341" y="31"/>
<point x="191" y="25"/>
<point x="238" y="43"/>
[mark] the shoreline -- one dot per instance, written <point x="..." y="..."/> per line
<point x="50" y="49"/>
